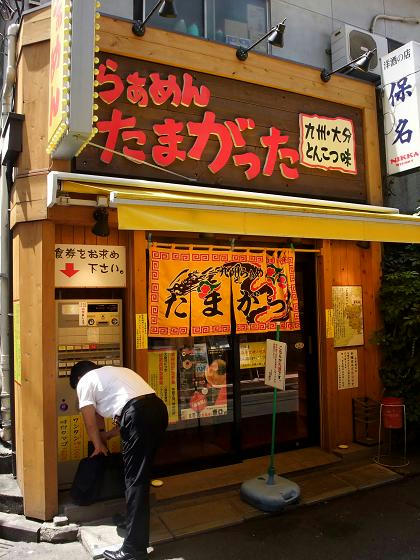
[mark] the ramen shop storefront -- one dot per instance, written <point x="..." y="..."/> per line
<point x="239" y="196"/>
<point x="245" y="193"/>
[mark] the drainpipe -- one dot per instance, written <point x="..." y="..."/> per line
<point x="393" y="18"/>
<point x="6" y="378"/>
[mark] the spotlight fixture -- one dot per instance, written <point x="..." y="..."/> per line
<point x="167" y="10"/>
<point x="360" y="63"/>
<point x="101" y="226"/>
<point x="275" y="37"/>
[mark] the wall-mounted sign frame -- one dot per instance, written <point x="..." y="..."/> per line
<point x="348" y="316"/>
<point x="72" y="58"/>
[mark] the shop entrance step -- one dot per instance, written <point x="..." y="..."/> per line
<point x="11" y="500"/>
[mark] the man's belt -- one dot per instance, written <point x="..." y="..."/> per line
<point x="117" y="419"/>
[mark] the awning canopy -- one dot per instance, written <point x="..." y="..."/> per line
<point x="149" y="205"/>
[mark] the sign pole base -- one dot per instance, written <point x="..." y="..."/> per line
<point x="269" y="492"/>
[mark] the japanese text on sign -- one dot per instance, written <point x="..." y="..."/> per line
<point x="401" y="107"/>
<point x="327" y="143"/>
<point x="90" y="266"/>
<point x="59" y="21"/>
<point x="275" y="366"/>
<point x="163" y="379"/>
<point x="156" y="89"/>
<point x="348" y="315"/>
<point x="347" y="369"/>
<point x="252" y="354"/>
<point x="191" y="291"/>
<point x="141" y="331"/>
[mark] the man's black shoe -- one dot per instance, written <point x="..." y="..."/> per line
<point x="122" y="555"/>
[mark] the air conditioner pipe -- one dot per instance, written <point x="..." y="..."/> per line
<point x="5" y="237"/>
<point x="413" y="20"/>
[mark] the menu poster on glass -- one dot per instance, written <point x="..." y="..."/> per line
<point x="163" y="379"/>
<point x="202" y="381"/>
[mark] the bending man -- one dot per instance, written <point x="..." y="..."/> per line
<point x="121" y="394"/>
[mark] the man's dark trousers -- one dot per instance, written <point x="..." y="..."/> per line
<point x="142" y="427"/>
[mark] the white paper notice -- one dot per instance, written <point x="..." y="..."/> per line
<point x="92" y="266"/>
<point x="275" y="364"/>
<point x="347" y="369"/>
<point x="82" y="313"/>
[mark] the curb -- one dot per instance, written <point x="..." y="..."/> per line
<point x="15" y="527"/>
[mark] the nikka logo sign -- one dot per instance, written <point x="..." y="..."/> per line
<point x="405" y="159"/>
<point x="401" y="107"/>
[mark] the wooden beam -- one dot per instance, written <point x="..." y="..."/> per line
<point x="327" y="365"/>
<point x="33" y="102"/>
<point x="140" y="294"/>
<point x="82" y="216"/>
<point x="37" y="451"/>
<point x="36" y="27"/>
<point x="372" y="157"/>
<point x="215" y="58"/>
<point x="28" y="212"/>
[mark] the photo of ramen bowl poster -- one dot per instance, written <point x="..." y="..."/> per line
<point x="202" y="380"/>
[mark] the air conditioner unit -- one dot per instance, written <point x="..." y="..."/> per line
<point x="349" y="42"/>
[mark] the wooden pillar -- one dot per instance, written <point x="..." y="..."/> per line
<point x="327" y="377"/>
<point x="140" y="294"/>
<point x="36" y="423"/>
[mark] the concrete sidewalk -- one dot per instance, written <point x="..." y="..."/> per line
<point x="201" y="501"/>
<point x="213" y="500"/>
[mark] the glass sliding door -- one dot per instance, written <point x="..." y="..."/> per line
<point x="200" y="434"/>
<point x="297" y="406"/>
<point x="220" y="407"/>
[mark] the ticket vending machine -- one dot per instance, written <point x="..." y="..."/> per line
<point x="86" y="330"/>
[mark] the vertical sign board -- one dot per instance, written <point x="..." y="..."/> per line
<point x="141" y="331"/>
<point x="59" y="56"/>
<point x="348" y="316"/>
<point x="163" y="379"/>
<point x="72" y="73"/>
<point x="275" y="364"/>
<point x="401" y="106"/>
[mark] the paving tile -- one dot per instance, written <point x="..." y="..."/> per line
<point x="202" y="517"/>
<point x="321" y="487"/>
<point x="188" y="501"/>
<point x="158" y="531"/>
<point x="96" y="538"/>
<point x="234" y="475"/>
<point x="368" y="476"/>
<point x="244" y="509"/>
<point x="104" y="535"/>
